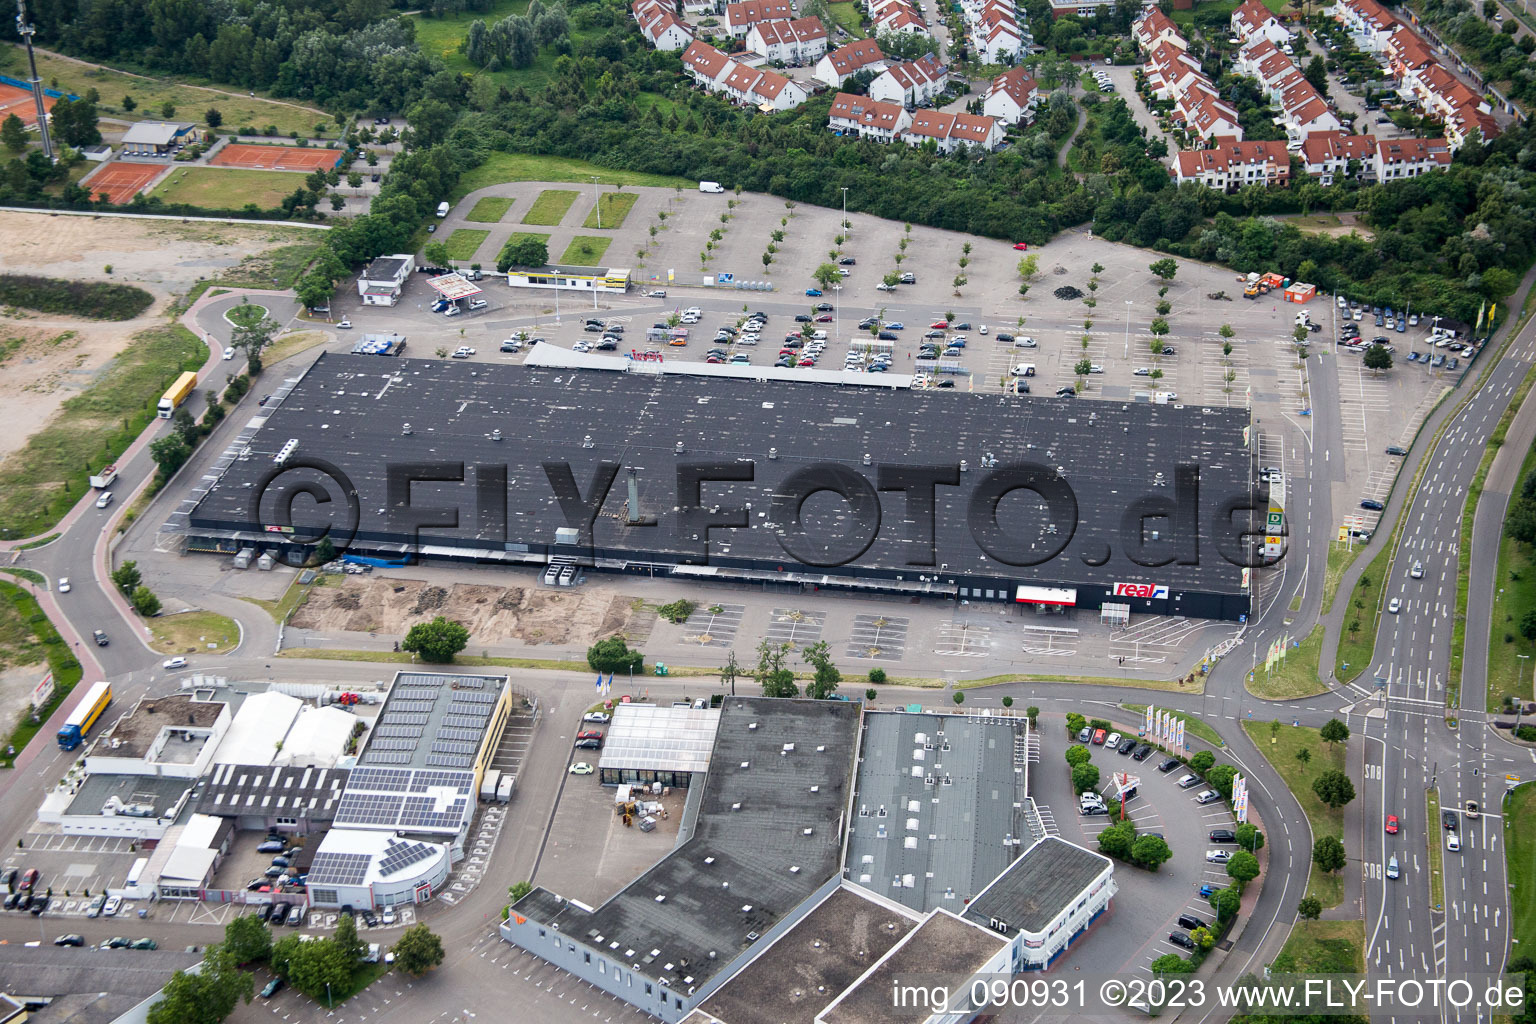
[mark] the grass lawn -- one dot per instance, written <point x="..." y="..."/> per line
<point x="614" y="206"/>
<point x="150" y="93"/>
<point x="585" y="251"/>
<point x="1022" y="677"/>
<point x="227" y="188"/>
<point x="1512" y="600"/>
<point x="43" y="480"/>
<point x="489" y="209"/>
<point x="290" y="345"/>
<point x="1340" y="558"/>
<point x="278" y="267"/>
<point x="193" y="633"/>
<point x="465" y="242"/>
<point x="847" y="15"/>
<point x="500" y="167"/>
<point x="518" y="236"/>
<point x="1433" y="831"/>
<point x="27" y="637"/>
<point x="551" y="207"/>
<point x="1326" y="947"/>
<point x="441" y="38"/>
<point x="1358" y="647"/>
<point x="1192" y="725"/>
<point x="1520" y="857"/>
<point x="286" y="605"/>
<point x="247" y="314"/>
<point x="1296" y="675"/>
<point x="1325" y="821"/>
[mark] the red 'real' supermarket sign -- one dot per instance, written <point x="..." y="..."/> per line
<point x="1152" y="590"/>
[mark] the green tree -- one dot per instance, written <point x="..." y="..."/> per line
<point x="206" y="997"/>
<point x="1172" y="963"/>
<point x="1029" y="268"/>
<point x="1201" y="761"/>
<point x="613" y="655"/>
<point x="1334" y="788"/>
<point x="248" y="939"/>
<point x="1249" y="837"/>
<point x="129" y="103"/>
<point x="958" y="697"/>
<point x="1226" y="331"/>
<point x="418" y="951"/>
<point x="1077" y="754"/>
<point x="312" y="966"/>
<point x="213" y="117"/>
<point x="144" y="601"/>
<point x="1076" y="723"/>
<point x="1310" y="908"/>
<point x="325" y="550"/>
<point x="1243" y="866"/>
<point x="1220" y="778"/>
<point x="1159" y="327"/>
<point x="127" y="577"/>
<point x="1203" y="939"/>
<point x="1304" y="755"/>
<point x="519" y="889"/>
<point x="824" y="683"/>
<point x="771" y="675"/>
<point x="1085" y="777"/>
<point x="1150" y="851"/>
<point x="436" y="253"/>
<point x="826" y="275"/>
<point x="169" y="453"/>
<point x="1333" y="731"/>
<point x="13" y="133"/>
<point x="1164" y="268"/>
<point x="1377" y="357"/>
<point x="345" y="938"/>
<point x="1032" y="712"/>
<point x="436" y="641"/>
<point x="253" y="339"/>
<point x="1328" y="853"/>
<point x="877" y="675"/>
<point x="1083" y="367"/>
<point x="1227" y="901"/>
<point x="1117" y="839"/>
<point x="167" y="110"/>
<point x="529" y="251"/>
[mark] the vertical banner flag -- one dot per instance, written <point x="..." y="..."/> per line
<point x="1151" y="713"/>
<point x="1178" y="733"/>
<point x="599" y="684"/>
<point x="1240" y="798"/>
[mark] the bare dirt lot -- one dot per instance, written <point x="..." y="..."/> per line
<point x="47" y="359"/>
<point x="492" y="614"/>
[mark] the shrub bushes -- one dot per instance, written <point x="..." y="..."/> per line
<point x="95" y="299"/>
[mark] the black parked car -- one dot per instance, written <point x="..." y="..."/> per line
<point x="1223" y="835"/>
<point x="1126" y="746"/>
<point x="1143" y="752"/>
<point x="1181" y="939"/>
<point x="1191" y="922"/>
<point x="1169" y="765"/>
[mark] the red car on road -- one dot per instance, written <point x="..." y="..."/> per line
<point x="939" y="325"/>
<point x="1392" y="824"/>
<point x="1021" y="246"/>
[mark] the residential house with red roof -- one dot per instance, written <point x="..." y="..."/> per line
<point x="1231" y="164"/>
<point x="739" y="17"/>
<point x="1252" y="20"/>
<point x="867" y="118"/>
<point x="660" y="25"/>
<point x="1333" y="157"/>
<point x="911" y="83"/>
<point x="795" y="42"/>
<point x="949" y="131"/>
<point x="1408" y="158"/>
<point x="846" y="61"/>
<point x="1012" y="97"/>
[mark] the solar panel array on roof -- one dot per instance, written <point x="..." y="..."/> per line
<point x="338" y="869"/>
<point x="424" y="812"/>
<point x="369" y="808"/>
<point x="402" y="855"/>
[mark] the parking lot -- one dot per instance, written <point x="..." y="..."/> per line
<point x="1149" y="904"/>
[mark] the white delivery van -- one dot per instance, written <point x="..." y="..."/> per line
<point x="711" y="186"/>
<point x="442" y="209"/>
<point x="1024" y="370"/>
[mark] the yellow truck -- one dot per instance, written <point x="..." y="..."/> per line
<point x="176" y="394"/>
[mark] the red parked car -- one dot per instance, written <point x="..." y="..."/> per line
<point x="1021" y="246"/>
<point x="589" y="734"/>
<point x="939" y="325"/>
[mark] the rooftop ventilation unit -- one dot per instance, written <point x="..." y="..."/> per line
<point x="496" y="435"/>
<point x="286" y="451"/>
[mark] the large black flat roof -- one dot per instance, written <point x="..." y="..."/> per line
<point x="353" y="411"/>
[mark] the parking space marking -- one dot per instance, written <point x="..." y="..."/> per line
<point x="963" y="640"/>
<point x="715" y="625"/>
<point x="1050" y="640"/>
<point x="882" y="637"/>
<point x="795" y="627"/>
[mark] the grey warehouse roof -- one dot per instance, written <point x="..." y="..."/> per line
<point x="156" y="795"/>
<point x="767" y="836"/>
<point x="352" y="412"/>
<point x="938" y="804"/>
<point x="1039" y="886"/>
<point x="648" y="737"/>
<point x="234" y="789"/>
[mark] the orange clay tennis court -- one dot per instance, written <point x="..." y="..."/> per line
<point x="122" y="181"/>
<point x="276" y="158"/>
<point x="19" y="102"/>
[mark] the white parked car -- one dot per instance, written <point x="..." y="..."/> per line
<point x="1025" y="342"/>
<point x="63" y="584"/>
<point x="597" y="716"/>
<point x="345" y="325"/>
<point x="1142" y="371"/>
<point x="174" y="663"/>
<point x="388" y="917"/>
<point x="1112" y="740"/>
<point x="1095" y="368"/>
<point x="1218" y="856"/>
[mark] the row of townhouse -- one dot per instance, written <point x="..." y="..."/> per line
<point x="897" y="16"/>
<point x="740" y="17"/>
<point x="1012" y="97"/>
<point x="1421" y="78"/>
<point x="1253" y="21"/>
<point x="743" y="84"/>
<point x="1303" y="108"/>
<point x="1173" y="73"/>
<point x="1090" y="8"/>
<point x="846" y="61"/>
<point x="995" y="30"/>
<point x="1329" y="156"/>
<point x="911" y="83"/>
<point x="890" y="122"/>
<point x="799" y="42"/>
<point x="660" y="25"/>
<point x="1333" y="156"/>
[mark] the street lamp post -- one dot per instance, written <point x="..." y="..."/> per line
<point x="1127" y="328"/>
<point x="597" y="204"/>
<point x="845" y="232"/>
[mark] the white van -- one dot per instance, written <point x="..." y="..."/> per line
<point x="442" y="209"/>
<point x="1024" y="370"/>
<point x="711" y="186"/>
